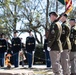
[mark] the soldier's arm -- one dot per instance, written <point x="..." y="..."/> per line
<point x="34" y="43"/>
<point x="75" y="36"/>
<point x="20" y="42"/>
<point x="53" y="35"/>
<point x="26" y="42"/>
<point x="12" y="42"/>
<point x="5" y="42"/>
<point x="44" y="45"/>
<point x="67" y="31"/>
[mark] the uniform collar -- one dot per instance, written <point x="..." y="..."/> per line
<point x="30" y="36"/>
<point x="60" y="22"/>
<point x="73" y="26"/>
<point x="15" y="37"/>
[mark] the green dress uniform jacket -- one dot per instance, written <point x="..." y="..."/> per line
<point x="54" y="37"/>
<point x="66" y="44"/>
<point x="73" y="38"/>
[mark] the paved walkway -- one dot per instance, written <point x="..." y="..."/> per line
<point x="35" y="70"/>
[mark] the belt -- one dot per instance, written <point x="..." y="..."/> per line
<point x="30" y="43"/>
<point x="2" y="46"/>
<point x="16" y="44"/>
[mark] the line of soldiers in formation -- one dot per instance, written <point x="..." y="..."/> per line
<point x="13" y="49"/>
<point x="59" y="46"/>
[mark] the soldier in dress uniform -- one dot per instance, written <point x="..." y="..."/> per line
<point x="3" y="48"/>
<point x="47" y="56"/>
<point x="66" y="44"/>
<point x="73" y="43"/>
<point x="30" y="47"/>
<point x="16" y="47"/>
<point x="54" y="44"/>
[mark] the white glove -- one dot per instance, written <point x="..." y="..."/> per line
<point x="33" y="52"/>
<point x="5" y="53"/>
<point x="48" y="48"/>
<point x="43" y="50"/>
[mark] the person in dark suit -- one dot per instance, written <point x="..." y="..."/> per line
<point x="3" y="48"/>
<point x="16" y="47"/>
<point x="47" y="56"/>
<point x="54" y="43"/>
<point x="73" y="43"/>
<point x="66" y="44"/>
<point x="30" y="47"/>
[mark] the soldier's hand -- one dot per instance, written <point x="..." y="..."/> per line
<point x="43" y="50"/>
<point x="33" y="52"/>
<point x="48" y="48"/>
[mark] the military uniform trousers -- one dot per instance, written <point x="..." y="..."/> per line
<point x="47" y="56"/>
<point x="65" y="62"/>
<point x="73" y="62"/>
<point x="29" y="58"/>
<point x="55" y="61"/>
<point x="2" y="59"/>
<point x="16" y="59"/>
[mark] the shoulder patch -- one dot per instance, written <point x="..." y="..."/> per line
<point x="53" y="31"/>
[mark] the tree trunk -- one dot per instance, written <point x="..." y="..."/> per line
<point x="57" y="6"/>
<point x="15" y="17"/>
<point x="47" y="14"/>
<point x="41" y="41"/>
<point x="47" y="8"/>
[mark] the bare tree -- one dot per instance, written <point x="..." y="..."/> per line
<point x="73" y="14"/>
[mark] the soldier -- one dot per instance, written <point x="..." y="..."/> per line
<point x="3" y="48"/>
<point x="73" y="43"/>
<point x="47" y="56"/>
<point x="16" y="47"/>
<point x="30" y="47"/>
<point x="66" y="44"/>
<point x="54" y="43"/>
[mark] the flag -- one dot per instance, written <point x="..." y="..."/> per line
<point x="68" y="5"/>
<point x="62" y="1"/>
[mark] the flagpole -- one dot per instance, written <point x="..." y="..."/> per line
<point x="57" y="6"/>
<point x="65" y="6"/>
